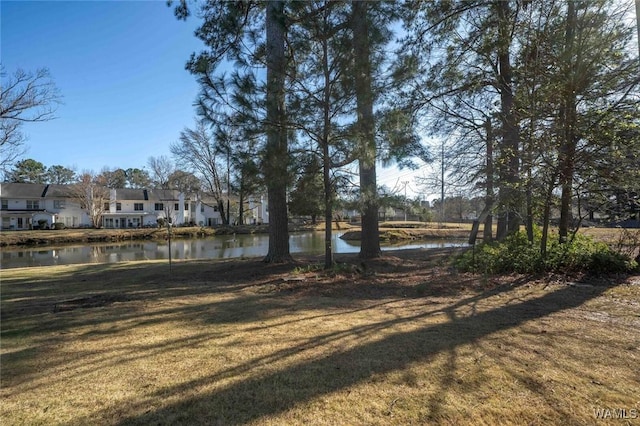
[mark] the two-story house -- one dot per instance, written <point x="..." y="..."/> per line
<point x="128" y="208"/>
<point x="134" y="208"/>
<point x="33" y="206"/>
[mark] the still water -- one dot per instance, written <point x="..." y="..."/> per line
<point x="221" y="247"/>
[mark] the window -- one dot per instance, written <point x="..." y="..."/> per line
<point x="118" y="206"/>
<point x="106" y="206"/>
<point x="58" y="204"/>
<point x="158" y="207"/>
<point x="5" y="204"/>
<point x="186" y="206"/>
<point x="138" y="207"/>
<point x="201" y="208"/>
<point x="33" y="204"/>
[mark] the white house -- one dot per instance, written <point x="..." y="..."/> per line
<point x="31" y="206"/>
<point x="133" y="208"/>
<point x="25" y="204"/>
<point x="258" y="211"/>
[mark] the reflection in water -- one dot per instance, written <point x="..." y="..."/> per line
<point x="221" y="247"/>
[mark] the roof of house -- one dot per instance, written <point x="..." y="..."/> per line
<point x="22" y="190"/>
<point x="32" y="190"/>
<point x="163" y="194"/>
<point x="59" y="191"/>
<point x="131" y="194"/>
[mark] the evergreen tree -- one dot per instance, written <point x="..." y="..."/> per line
<point x="554" y="70"/>
<point x="365" y="130"/>
<point x="116" y="178"/>
<point x="596" y="74"/>
<point x="322" y="103"/>
<point x="460" y="55"/>
<point x="276" y="157"/>
<point x="60" y="175"/>
<point x="253" y="34"/>
<point x="137" y="178"/>
<point x="305" y="199"/>
<point x="28" y="171"/>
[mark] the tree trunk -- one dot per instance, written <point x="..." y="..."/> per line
<point x="489" y="197"/>
<point x="569" y="120"/>
<point x="546" y="216"/>
<point x="221" y="210"/>
<point x="529" y="202"/>
<point x="508" y="221"/>
<point x="476" y="223"/>
<point x="370" y="240"/>
<point x="241" y="202"/>
<point x="228" y="185"/>
<point x="567" y="168"/>
<point x="276" y="155"/>
<point x="326" y="159"/>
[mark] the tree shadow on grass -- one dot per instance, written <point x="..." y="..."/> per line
<point x="95" y="286"/>
<point x="257" y="292"/>
<point x="277" y="392"/>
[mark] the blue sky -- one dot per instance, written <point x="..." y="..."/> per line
<point x="119" y="66"/>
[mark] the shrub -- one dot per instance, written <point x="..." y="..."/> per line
<point x="59" y="225"/>
<point x="516" y="254"/>
<point x="602" y="262"/>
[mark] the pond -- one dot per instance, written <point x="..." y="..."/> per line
<point x="220" y="247"/>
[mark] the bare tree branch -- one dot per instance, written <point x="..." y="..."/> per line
<point x="25" y="97"/>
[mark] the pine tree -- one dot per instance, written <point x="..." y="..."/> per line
<point x="252" y="34"/>
<point x="365" y="135"/>
<point x="321" y="100"/>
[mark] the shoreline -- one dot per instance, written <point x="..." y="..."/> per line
<point x="389" y="232"/>
<point x="38" y="238"/>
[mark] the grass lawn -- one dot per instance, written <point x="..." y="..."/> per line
<point x="401" y="340"/>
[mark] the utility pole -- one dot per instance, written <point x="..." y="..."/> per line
<point x="405" y="182"/>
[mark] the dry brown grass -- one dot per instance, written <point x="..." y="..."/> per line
<point x="401" y="340"/>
